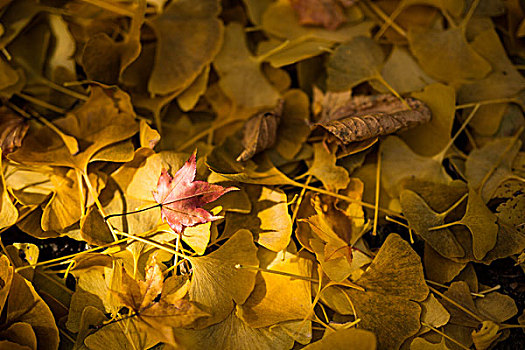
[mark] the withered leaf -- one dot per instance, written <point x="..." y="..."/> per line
<point x="13" y="128"/>
<point x="260" y="131"/>
<point x="327" y="13"/>
<point x="366" y="117"/>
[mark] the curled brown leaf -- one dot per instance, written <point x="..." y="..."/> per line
<point x="366" y="117"/>
<point x="13" y="128"/>
<point x="260" y="131"/>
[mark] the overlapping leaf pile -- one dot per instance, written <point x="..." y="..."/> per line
<point x="302" y="222"/>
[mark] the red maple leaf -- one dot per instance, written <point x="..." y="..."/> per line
<point x="181" y="198"/>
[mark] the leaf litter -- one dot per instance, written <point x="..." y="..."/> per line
<point x="261" y="174"/>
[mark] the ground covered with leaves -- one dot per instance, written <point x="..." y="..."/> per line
<point x="260" y="174"/>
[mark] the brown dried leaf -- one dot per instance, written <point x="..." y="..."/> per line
<point x="13" y="128"/>
<point x="260" y="131"/>
<point x="327" y="13"/>
<point x="365" y="117"/>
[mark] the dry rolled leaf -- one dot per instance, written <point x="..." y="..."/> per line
<point x="13" y="128"/>
<point x="260" y="131"/>
<point x="486" y="335"/>
<point x="366" y="117"/>
<point x="327" y="13"/>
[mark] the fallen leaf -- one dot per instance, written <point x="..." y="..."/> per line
<point x="268" y="220"/>
<point x="240" y="76"/>
<point x="487" y="167"/>
<point x="8" y="211"/>
<point x="327" y="13"/>
<point x="400" y="162"/>
<point x="106" y="118"/>
<point x="181" y="197"/>
<point x="353" y="63"/>
<point x="324" y="168"/>
<point x="422" y="344"/>
<point x="293" y="130"/>
<point x="216" y="285"/>
<point x="339" y="340"/>
<point x="446" y="55"/>
<point x="25" y="305"/>
<point x="276" y="298"/>
<point x="14" y="128"/>
<point x="433" y="313"/>
<point x="430" y="138"/>
<point x="188" y="37"/>
<point x="233" y="333"/>
<point x="260" y="132"/>
<point x="484" y="337"/>
<point x="189" y="97"/>
<point x="366" y="117"/>
<point x="393" y="283"/>
<point x="422" y="218"/>
<point x="403" y="73"/>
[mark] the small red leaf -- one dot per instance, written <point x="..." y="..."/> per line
<point x="181" y="198"/>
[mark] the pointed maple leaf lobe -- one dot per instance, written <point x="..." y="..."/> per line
<point x="181" y="198"/>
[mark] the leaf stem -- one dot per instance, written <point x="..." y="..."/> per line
<point x="378" y="189"/>
<point x="98" y="204"/>
<point x="387" y="24"/>
<point x="487" y="102"/>
<point x="381" y="14"/>
<point x="345" y="198"/>
<point x="382" y="80"/>
<point x="479" y="295"/>
<point x="41" y="103"/>
<point x="107" y="217"/>
<point x="282" y="273"/>
<point x="445" y="335"/>
<point x="441" y="155"/>
<point x="456" y="304"/>
<point x="153" y="243"/>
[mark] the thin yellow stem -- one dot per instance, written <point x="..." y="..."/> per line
<point x="386" y="25"/>
<point x="479" y="295"/>
<point x="41" y="103"/>
<point x="378" y="189"/>
<point x="445" y="335"/>
<point x="456" y="304"/>
<point x="486" y="102"/>
<point x="63" y="89"/>
<point x="386" y="18"/>
<point x="300" y="199"/>
<point x="81" y="195"/>
<point x="392" y="90"/>
<point x="98" y="204"/>
<point x="345" y="198"/>
<point x="282" y="273"/>
<point x="441" y="155"/>
<point x="154" y="244"/>
<point x="495" y="288"/>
